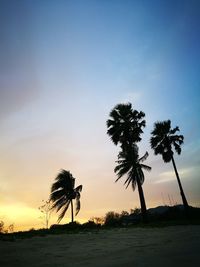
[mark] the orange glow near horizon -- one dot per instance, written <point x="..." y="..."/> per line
<point x="25" y="218"/>
<point x="21" y="207"/>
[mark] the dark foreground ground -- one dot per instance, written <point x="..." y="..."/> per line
<point x="168" y="246"/>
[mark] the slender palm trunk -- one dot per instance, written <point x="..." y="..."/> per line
<point x="142" y="201"/>
<point x="72" y="211"/>
<point x="185" y="203"/>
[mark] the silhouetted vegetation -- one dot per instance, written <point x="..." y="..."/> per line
<point x="161" y="216"/>
<point x="8" y="229"/>
<point x="125" y="127"/>
<point x="46" y="209"/>
<point x="131" y="165"/>
<point x="162" y="140"/>
<point x="98" y="220"/>
<point x="63" y="192"/>
<point x="112" y="219"/>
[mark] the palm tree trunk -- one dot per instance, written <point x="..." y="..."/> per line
<point x="185" y="203"/>
<point x="72" y="211"/>
<point x="142" y="201"/>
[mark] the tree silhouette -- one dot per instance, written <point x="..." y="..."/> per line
<point x="125" y="126"/>
<point x="63" y="193"/>
<point x="131" y="165"/>
<point x="46" y="209"/>
<point x="162" y="140"/>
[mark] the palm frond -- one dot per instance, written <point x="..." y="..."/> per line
<point x="173" y="131"/>
<point x="79" y="188"/>
<point x="78" y="203"/>
<point x="55" y="195"/>
<point x="145" y="167"/>
<point x="167" y="155"/>
<point x="129" y="164"/>
<point x="62" y="214"/>
<point x="59" y="203"/>
<point x="143" y="158"/>
<point x="155" y="141"/>
<point x="177" y="138"/>
<point x="177" y="148"/>
<point x="131" y="178"/>
<point x="56" y="186"/>
<point x="121" y="172"/>
<point x="140" y="175"/>
<point x="63" y="180"/>
<point x="128" y="180"/>
<point x="121" y="165"/>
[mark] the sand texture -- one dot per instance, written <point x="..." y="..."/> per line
<point x="170" y="246"/>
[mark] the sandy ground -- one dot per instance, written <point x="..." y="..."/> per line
<point x="170" y="246"/>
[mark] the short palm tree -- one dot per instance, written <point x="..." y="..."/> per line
<point x="63" y="192"/>
<point x="125" y="125"/>
<point x="131" y="165"/>
<point x="163" y="139"/>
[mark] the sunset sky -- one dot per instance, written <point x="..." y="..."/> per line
<point x="63" y="66"/>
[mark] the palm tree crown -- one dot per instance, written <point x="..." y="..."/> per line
<point x="63" y="192"/>
<point x="125" y="125"/>
<point x="131" y="165"/>
<point x="164" y="138"/>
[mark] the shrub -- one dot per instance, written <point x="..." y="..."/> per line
<point x="90" y="225"/>
<point x="112" y="218"/>
<point x="98" y="220"/>
<point x="3" y="230"/>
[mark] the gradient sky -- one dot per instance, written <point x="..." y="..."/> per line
<point x="63" y="66"/>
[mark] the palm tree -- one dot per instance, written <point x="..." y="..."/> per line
<point x="125" y="125"/>
<point x="162" y="140"/>
<point x="131" y="165"/>
<point x="63" y="193"/>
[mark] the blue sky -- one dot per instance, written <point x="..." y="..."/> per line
<point x="64" y="65"/>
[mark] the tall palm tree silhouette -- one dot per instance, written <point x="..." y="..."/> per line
<point x="131" y="165"/>
<point x="124" y="128"/>
<point x="162" y="140"/>
<point x="63" y="192"/>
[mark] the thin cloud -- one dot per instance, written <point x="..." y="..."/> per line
<point x="170" y="176"/>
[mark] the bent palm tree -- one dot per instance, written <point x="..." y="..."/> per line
<point x="63" y="193"/>
<point x="162" y="140"/>
<point x="125" y="125"/>
<point x="131" y="165"/>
